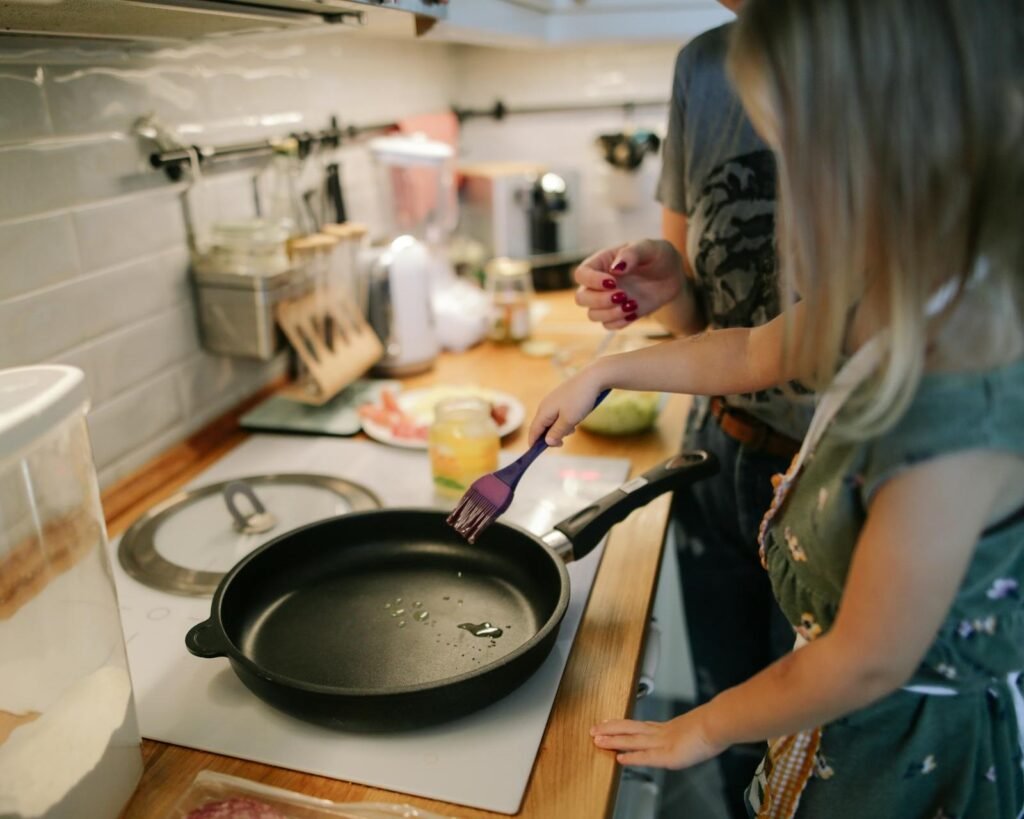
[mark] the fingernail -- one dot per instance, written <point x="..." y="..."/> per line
<point x="619" y="298"/>
<point x="618" y="267"/>
<point x="629" y="306"/>
<point x="630" y="317"/>
<point x="608" y="284"/>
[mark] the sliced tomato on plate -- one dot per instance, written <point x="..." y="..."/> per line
<point x="499" y="412"/>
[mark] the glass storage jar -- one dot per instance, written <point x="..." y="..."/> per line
<point x="463" y="444"/>
<point x="254" y="247"/>
<point x="69" y="740"/>
<point x="510" y="287"/>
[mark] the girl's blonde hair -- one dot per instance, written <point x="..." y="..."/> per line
<point x="898" y="127"/>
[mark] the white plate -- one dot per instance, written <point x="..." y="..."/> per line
<point x="420" y="405"/>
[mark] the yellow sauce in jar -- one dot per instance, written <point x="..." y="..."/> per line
<point x="463" y="444"/>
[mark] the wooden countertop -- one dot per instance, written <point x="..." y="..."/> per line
<point x="570" y="778"/>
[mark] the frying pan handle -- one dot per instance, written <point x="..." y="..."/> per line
<point x="204" y="640"/>
<point x="585" y="529"/>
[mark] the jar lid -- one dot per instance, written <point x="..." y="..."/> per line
<point x="252" y="234"/>
<point x="34" y="400"/>
<point x="462" y="405"/>
<point x="313" y="242"/>
<point x="504" y="266"/>
<point x="345" y="230"/>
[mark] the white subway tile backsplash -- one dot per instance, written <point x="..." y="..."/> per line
<point x="23" y="112"/>
<point x="40" y="325"/>
<point x="113" y="471"/>
<point x="126" y="229"/>
<point x="124" y="358"/>
<point x="564" y="75"/>
<point x="89" y="99"/>
<point x="54" y="174"/>
<point x="209" y="380"/>
<point x="36" y="253"/>
<point x="133" y="419"/>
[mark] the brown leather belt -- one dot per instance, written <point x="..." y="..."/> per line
<point x="755" y="435"/>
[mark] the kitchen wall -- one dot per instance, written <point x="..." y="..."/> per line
<point x="93" y="247"/>
<point x="614" y="205"/>
<point x="93" y="254"/>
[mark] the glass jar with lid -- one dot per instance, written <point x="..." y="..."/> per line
<point x="250" y="248"/>
<point x="510" y="287"/>
<point x="463" y="444"/>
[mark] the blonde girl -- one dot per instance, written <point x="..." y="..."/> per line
<point x="895" y="543"/>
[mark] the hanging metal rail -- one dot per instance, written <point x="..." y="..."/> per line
<point x="173" y="162"/>
<point x="500" y="110"/>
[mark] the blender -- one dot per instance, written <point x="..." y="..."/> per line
<point x="411" y="282"/>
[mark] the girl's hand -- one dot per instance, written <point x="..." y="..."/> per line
<point x="678" y="743"/>
<point x="565" y="406"/>
<point x="619" y="284"/>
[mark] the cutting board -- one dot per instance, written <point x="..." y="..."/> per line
<point x="339" y="416"/>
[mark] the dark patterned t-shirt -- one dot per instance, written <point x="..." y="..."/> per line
<point x="719" y="173"/>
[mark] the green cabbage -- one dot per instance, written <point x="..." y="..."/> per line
<point x="624" y="413"/>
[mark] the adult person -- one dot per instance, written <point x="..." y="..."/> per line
<point x="717" y="190"/>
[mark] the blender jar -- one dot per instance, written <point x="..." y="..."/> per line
<point x="416" y="184"/>
<point x="69" y="741"/>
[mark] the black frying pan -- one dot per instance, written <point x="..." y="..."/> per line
<point x="387" y="620"/>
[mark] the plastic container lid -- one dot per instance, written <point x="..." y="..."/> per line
<point x="504" y="266"/>
<point x="35" y="400"/>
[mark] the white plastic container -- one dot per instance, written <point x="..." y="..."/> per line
<point x="69" y="740"/>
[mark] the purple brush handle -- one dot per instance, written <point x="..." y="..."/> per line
<point x="511" y="474"/>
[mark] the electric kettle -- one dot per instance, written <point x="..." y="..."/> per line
<point x="400" y="311"/>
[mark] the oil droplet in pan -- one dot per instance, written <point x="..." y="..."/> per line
<point x="482" y="630"/>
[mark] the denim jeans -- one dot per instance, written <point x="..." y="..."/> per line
<point x="735" y="626"/>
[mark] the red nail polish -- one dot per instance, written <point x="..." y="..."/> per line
<point x="619" y="298"/>
<point x="618" y="267"/>
<point x="629" y="306"/>
<point x="630" y="317"/>
<point x="608" y="284"/>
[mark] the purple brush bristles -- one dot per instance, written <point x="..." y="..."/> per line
<point x="484" y="501"/>
<point x="489" y="496"/>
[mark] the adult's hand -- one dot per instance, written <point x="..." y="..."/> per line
<point x="619" y="284"/>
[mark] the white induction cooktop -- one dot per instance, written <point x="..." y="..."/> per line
<point x="483" y="760"/>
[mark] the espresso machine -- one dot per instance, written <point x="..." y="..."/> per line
<point x="524" y="210"/>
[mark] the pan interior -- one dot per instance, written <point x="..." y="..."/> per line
<point x="395" y="612"/>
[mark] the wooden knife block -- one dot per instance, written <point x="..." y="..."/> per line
<point x="332" y="339"/>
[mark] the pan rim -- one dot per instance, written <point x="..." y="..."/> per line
<point x="236" y="655"/>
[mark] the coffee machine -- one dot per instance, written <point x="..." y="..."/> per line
<point x="519" y="209"/>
